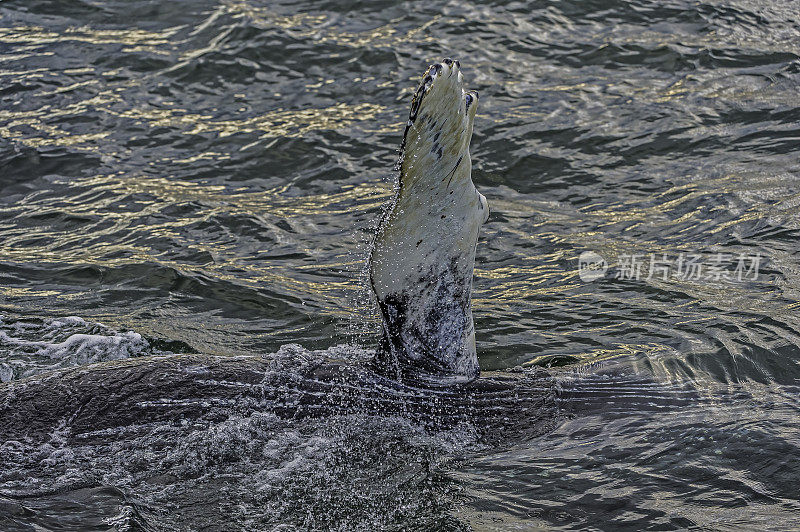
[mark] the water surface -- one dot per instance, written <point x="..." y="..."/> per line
<point x="205" y="177"/>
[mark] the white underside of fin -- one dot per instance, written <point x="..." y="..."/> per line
<point x="423" y="257"/>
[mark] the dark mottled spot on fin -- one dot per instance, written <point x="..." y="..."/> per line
<point x="436" y="149"/>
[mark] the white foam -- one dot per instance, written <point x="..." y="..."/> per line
<point x="30" y="348"/>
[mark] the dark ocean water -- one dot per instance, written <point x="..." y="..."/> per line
<point x="205" y="177"/>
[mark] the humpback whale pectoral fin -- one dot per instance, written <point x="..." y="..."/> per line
<point x="422" y="259"/>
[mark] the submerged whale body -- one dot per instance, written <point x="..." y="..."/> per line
<point x="425" y="369"/>
<point x="91" y="401"/>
